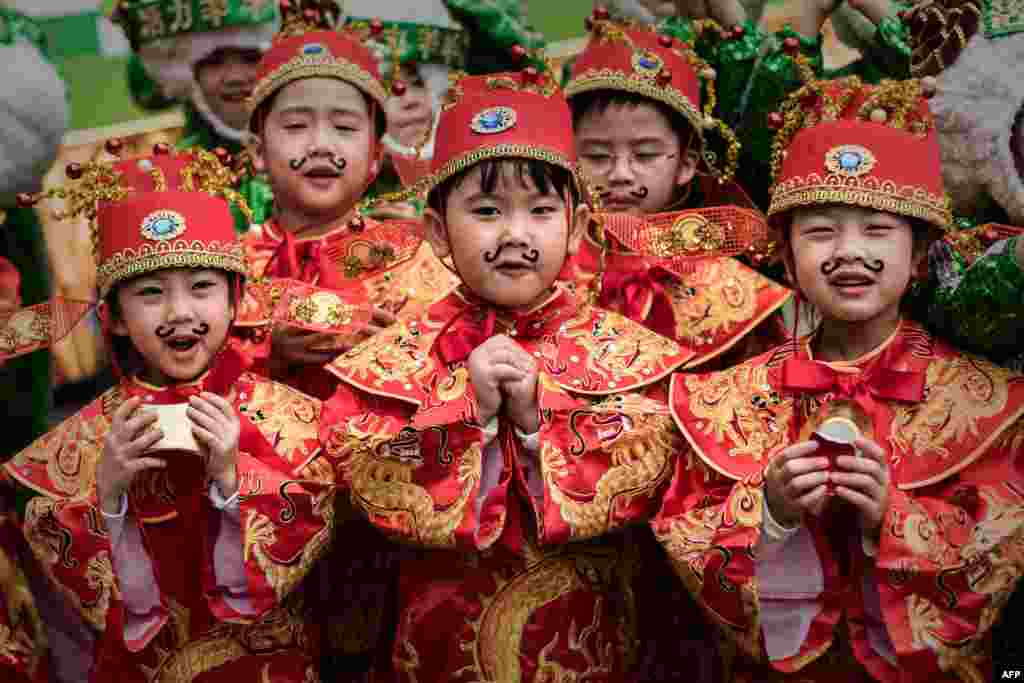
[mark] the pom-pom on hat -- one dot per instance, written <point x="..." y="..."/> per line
<point x="164" y="211"/>
<point x="875" y="146"/>
<point x="514" y="114"/>
<point x="641" y="61"/>
<point x="308" y="46"/>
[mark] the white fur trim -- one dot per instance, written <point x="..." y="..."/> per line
<point x="429" y="12"/>
<point x="33" y="118"/>
<point x="171" y="61"/>
<point x="977" y="100"/>
<point x="217" y="123"/>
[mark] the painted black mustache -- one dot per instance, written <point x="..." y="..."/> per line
<point x="531" y="256"/>
<point x="339" y="164"/>
<point x="832" y="265"/>
<point x="639" y="193"/>
<point x="165" y="331"/>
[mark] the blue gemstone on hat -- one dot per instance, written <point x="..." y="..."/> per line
<point x="163" y="226"/>
<point x="850" y="161"/>
<point x="312" y="49"/>
<point x="491" y="120"/>
<point x="648" y="63"/>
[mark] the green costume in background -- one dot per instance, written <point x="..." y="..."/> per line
<point x="168" y="38"/>
<point x="435" y="37"/>
<point x="38" y="117"/>
<point x="754" y="74"/>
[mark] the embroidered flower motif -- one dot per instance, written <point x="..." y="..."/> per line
<point x="493" y="120"/>
<point x="849" y="160"/>
<point x="161" y="226"/>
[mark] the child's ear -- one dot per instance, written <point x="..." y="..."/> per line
<point x="687" y="167"/>
<point x="919" y="260"/>
<point x="436" y="232"/>
<point x="116" y="322"/>
<point x="788" y="263"/>
<point x="580" y="222"/>
<point x="378" y="159"/>
<point x="254" y="144"/>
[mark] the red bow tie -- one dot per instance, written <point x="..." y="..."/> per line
<point x="307" y="261"/>
<point x="626" y="291"/>
<point x="864" y="388"/>
<point x="479" y="321"/>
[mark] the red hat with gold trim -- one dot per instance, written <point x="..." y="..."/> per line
<point x="639" y="60"/>
<point x="163" y="211"/>
<point x="168" y="210"/>
<point x="875" y="146"/>
<point x="308" y="46"/>
<point x="515" y="114"/>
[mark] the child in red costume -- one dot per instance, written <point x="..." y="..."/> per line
<point x="673" y="220"/>
<point x="139" y="520"/>
<point x="852" y="506"/>
<point x="509" y="433"/>
<point x="317" y="117"/>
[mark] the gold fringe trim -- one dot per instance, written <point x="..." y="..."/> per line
<point x="459" y="164"/>
<point x="130" y="263"/>
<point x="868" y="192"/>
<point x="311" y="67"/>
<point x="612" y="79"/>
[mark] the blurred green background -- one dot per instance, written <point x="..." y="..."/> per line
<point x="99" y="94"/>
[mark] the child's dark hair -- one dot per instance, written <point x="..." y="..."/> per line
<point x="598" y="101"/>
<point x="547" y="178"/>
<point x="259" y="116"/>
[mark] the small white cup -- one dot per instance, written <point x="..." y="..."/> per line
<point x="176" y="426"/>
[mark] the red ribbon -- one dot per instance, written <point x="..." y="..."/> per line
<point x="863" y="388"/>
<point x="466" y="331"/>
<point x="478" y="322"/>
<point x="626" y="291"/>
<point x="307" y="261"/>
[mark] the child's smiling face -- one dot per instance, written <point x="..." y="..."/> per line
<point x="633" y="152"/>
<point x="853" y="264"/>
<point x="507" y="234"/>
<point x="318" y="146"/>
<point x="177" y="320"/>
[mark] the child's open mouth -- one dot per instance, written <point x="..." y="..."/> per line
<point x="182" y="344"/>
<point x="322" y="177"/>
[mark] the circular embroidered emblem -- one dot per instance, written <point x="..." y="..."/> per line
<point x="647" y="63"/>
<point x="163" y="225"/>
<point x="493" y="120"/>
<point x="314" y="49"/>
<point x="690" y="234"/>
<point x="849" y="160"/>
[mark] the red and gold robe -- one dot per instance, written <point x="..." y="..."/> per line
<point x="330" y="284"/>
<point x="917" y="607"/>
<point x="286" y="518"/>
<point x="523" y="565"/>
<point x="384" y="264"/>
<point x="662" y="271"/>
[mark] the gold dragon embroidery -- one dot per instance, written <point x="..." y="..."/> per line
<point x="739" y="408"/>
<point x="383" y="484"/>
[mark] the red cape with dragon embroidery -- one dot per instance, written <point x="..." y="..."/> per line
<point x="199" y="636"/>
<point x="949" y="550"/>
<point x="386" y="264"/>
<point x="713" y="302"/>
<point x="402" y="428"/>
